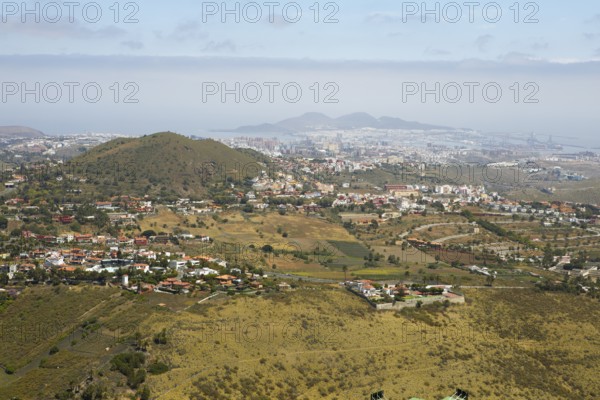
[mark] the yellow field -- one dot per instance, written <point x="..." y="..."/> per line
<point x="250" y="227"/>
<point x="248" y="233"/>
<point x="322" y="343"/>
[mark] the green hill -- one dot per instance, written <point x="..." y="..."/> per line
<point x="163" y="164"/>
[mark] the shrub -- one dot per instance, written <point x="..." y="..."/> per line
<point x="158" y="368"/>
<point x="125" y="363"/>
<point x="136" y="379"/>
<point x="161" y="338"/>
<point x="129" y="365"/>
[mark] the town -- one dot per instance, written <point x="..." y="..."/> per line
<point x="316" y="187"/>
<point x="410" y="237"/>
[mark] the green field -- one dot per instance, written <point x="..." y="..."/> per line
<point x="351" y="249"/>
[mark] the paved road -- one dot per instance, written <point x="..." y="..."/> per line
<point x="442" y="240"/>
<point x="494" y="287"/>
<point x="320" y="280"/>
<point x="304" y="278"/>
<point x="420" y="228"/>
<point x="209" y="297"/>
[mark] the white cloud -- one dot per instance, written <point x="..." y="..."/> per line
<point x="594" y="20"/>
<point x="220" y="47"/>
<point x="186" y="31"/>
<point x="383" y="18"/>
<point x="540" y="46"/>
<point x="482" y="42"/>
<point x="133" y="44"/>
<point x="437" y="52"/>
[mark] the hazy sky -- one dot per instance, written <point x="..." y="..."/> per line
<point x="374" y="56"/>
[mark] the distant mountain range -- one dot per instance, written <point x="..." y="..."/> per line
<point x="20" y="132"/>
<point x="310" y="122"/>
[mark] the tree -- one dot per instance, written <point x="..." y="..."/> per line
<point x="93" y="392"/>
<point x="548" y="258"/>
<point x="101" y="219"/>
<point x="136" y="378"/>
<point x="148" y="233"/>
<point x="75" y="226"/>
<point x="345" y="269"/>
<point x="145" y="393"/>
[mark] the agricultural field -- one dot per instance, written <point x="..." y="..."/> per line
<point x="249" y="227"/>
<point x="316" y="247"/>
<point x="313" y="246"/>
<point x="316" y="239"/>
